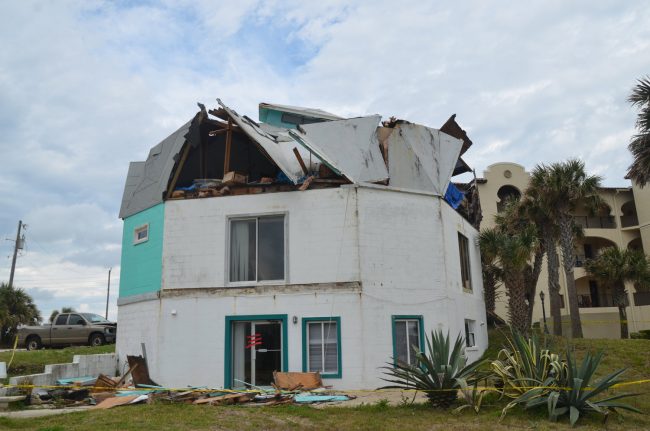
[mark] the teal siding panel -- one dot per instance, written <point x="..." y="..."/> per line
<point x="274" y="118"/>
<point x="141" y="267"/>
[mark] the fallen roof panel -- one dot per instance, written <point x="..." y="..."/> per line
<point x="146" y="181"/>
<point x="349" y="147"/>
<point x="422" y="158"/>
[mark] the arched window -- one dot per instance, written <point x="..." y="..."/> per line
<point x="507" y="193"/>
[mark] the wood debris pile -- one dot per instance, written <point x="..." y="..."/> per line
<point x="135" y="387"/>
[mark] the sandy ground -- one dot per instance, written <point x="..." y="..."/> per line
<point x="394" y="397"/>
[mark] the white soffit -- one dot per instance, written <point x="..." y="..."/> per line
<point x="349" y="147"/>
<point x="422" y="158"/>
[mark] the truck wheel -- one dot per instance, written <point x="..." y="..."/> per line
<point x="33" y="343"/>
<point x="97" y="340"/>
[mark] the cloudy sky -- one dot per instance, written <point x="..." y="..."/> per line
<point x="87" y="86"/>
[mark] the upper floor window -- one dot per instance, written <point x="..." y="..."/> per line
<point x="465" y="272"/>
<point x="257" y="248"/>
<point x="141" y="234"/>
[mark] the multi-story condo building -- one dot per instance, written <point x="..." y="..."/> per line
<point x="624" y="222"/>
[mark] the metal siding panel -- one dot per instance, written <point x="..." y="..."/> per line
<point x="349" y="146"/>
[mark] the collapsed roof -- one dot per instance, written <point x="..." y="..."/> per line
<point x="207" y="151"/>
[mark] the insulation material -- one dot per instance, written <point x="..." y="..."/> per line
<point x="422" y="158"/>
<point x="349" y="147"/>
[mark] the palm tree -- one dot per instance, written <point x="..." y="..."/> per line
<point x="548" y="233"/>
<point x="613" y="267"/>
<point x="57" y="312"/>
<point x="639" y="170"/>
<point x="516" y="216"/>
<point x="562" y="186"/>
<point x="16" y="307"/>
<point x="513" y="253"/>
<point x="492" y="274"/>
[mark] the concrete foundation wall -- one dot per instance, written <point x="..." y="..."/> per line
<point x="81" y="366"/>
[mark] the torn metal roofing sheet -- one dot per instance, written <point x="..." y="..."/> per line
<point x="280" y="151"/>
<point x="146" y="181"/>
<point x="307" y="112"/>
<point x="421" y="158"/>
<point x="349" y="147"/>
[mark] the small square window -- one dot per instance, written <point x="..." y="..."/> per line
<point x="470" y="337"/>
<point x="141" y="234"/>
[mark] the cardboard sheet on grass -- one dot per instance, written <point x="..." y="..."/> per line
<point x="291" y="381"/>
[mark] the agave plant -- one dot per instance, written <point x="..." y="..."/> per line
<point x="574" y="391"/>
<point x="440" y="372"/>
<point x="525" y="364"/>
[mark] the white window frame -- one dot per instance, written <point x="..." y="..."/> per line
<point x="322" y="323"/>
<point x="256" y="217"/>
<point x="406" y="333"/>
<point x="137" y="230"/>
<point x="470" y="328"/>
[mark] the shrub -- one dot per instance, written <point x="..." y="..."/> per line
<point x="571" y="390"/>
<point x="440" y="372"/>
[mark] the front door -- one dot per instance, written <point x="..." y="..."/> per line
<point x="256" y="352"/>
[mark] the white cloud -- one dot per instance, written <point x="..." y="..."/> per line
<point x="91" y="85"/>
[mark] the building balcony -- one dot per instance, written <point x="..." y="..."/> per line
<point x="629" y="221"/>
<point x="604" y="222"/>
<point x="591" y="301"/>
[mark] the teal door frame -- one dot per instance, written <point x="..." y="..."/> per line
<point x="227" y="374"/>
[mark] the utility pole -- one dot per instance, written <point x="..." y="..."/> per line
<point x="108" y="291"/>
<point x="17" y="245"/>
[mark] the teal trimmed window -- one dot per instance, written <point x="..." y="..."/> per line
<point x="408" y="334"/>
<point x="321" y="346"/>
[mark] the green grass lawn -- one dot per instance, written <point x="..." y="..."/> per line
<point x="634" y="354"/>
<point x="34" y="362"/>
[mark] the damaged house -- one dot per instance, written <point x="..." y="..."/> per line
<point x="302" y="242"/>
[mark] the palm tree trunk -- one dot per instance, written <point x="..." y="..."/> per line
<point x="531" y="283"/>
<point x="619" y="299"/>
<point x="489" y="294"/>
<point x="553" y="265"/>
<point x="568" y="261"/>
<point x="517" y="309"/>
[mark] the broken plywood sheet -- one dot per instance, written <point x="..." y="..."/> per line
<point x="118" y="401"/>
<point x="139" y="371"/>
<point x="280" y="152"/>
<point x="293" y="380"/>
<point x="421" y="158"/>
<point x="349" y="147"/>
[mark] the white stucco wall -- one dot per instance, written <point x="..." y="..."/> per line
<point x="321" y="236"/>
<point x="363" y="254"/>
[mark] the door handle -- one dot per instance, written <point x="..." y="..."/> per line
<point x="54" y="329"/>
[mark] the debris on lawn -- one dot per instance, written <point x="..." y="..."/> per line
<point x="105" y="392"/>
